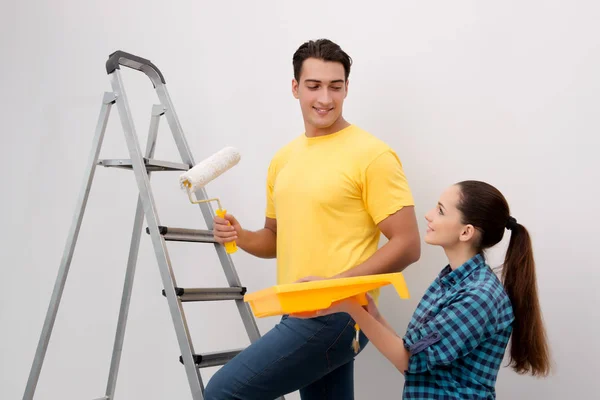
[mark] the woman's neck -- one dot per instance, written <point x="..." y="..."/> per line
<point x="458" y="255"/>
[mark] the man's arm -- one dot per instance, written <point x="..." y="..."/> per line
<point x="402" y="249"/>
<point x="261" y="243"/>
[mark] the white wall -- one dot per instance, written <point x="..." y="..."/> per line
<point x="505" y="92"/>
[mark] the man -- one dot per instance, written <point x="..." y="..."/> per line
<point x="330" y="193"/>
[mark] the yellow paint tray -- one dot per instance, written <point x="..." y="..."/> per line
<point x="317" y="295"/>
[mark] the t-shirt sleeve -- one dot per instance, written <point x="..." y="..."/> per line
<point x="455" y="331"/>
<point x="385" y="187"/>
<point x="271" y="174"/>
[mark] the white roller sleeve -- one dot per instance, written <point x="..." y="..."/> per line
<point x="210" y="168"/>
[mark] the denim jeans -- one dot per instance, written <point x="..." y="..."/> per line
<point x="314" y="356"/>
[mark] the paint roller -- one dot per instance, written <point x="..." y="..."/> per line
<point x="206" y="171"/>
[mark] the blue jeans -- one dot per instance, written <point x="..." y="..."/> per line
<point x="314" y="356"/>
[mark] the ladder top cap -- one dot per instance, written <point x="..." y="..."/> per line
<point x="120" y="57"/>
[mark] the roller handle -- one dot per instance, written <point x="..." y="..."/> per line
<point x="230" y="247"/>
<point x="118" y="58"/>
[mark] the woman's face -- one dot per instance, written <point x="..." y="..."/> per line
<point x="444" y="222"/>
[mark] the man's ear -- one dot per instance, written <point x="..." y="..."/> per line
<point x="295" y="88"/>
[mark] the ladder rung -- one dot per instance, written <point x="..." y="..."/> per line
<point x="185" y="235"/>
<point x="210" y="294"/>
<point x="213" y="359"/>
<point x="151" y="165"/>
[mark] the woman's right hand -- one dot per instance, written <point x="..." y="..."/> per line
<point x="371" y="307"/>
<point x="226" y="229"/>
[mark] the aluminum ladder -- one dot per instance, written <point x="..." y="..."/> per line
<point x="143" y="165"/>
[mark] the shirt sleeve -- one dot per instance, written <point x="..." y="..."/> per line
<point x="270" y="208"/>
<point x="385" y="187"/>
<point x="454" y="332"/>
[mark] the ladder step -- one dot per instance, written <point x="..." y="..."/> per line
<point x="213" y="359"/>
<point x="210" y="294"/>
<point x="151" y="165"/>
<point x="185" y="235"/>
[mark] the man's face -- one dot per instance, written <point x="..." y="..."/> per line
<point x="321" y="91"/>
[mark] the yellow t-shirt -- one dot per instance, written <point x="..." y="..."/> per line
<point x="328" y="194"/>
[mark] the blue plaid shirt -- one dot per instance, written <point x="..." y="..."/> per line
<point x="458" y="335"/>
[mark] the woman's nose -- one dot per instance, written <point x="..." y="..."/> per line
<point x="427" y="217"/>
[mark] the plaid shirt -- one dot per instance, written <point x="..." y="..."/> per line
<point x="458" y="335"/>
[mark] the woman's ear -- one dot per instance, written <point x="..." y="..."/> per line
<point x="468" y="233"/>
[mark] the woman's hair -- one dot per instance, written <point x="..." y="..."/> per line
<point x="484" y="207"/>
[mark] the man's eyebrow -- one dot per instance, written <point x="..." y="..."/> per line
<point x="319" y="81"/>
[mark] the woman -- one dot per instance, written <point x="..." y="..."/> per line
<point x="455" y="343"/>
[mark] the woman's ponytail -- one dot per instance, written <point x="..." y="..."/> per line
<point x="484" y="207"/>
<point x="529" y="347"/>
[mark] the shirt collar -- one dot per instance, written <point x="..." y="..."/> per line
<point x="448" y="277"/>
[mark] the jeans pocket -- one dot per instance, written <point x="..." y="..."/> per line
<point x="341" y="350"/>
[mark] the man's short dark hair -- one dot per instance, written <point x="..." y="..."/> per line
<point x="322" y="49"/>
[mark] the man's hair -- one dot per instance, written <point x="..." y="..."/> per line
<point x="322" y="49"/>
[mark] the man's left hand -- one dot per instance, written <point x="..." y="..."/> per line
<point x="337" y="307"/>
<point x="310" y="279"/>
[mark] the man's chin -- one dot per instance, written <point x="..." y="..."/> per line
<point x="322" y="123"/>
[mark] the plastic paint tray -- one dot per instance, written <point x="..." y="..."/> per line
<point x="317" y="295"/>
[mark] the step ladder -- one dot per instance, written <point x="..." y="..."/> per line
<point x="143" y="165"/>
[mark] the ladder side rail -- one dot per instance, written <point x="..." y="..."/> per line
<point x="157" y="112"/>
<point x="34" y="375"/>
<point x="207" y="212"/>
<point x="160" y="249"/>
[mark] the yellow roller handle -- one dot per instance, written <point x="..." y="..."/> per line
<point x="230" y="247"/>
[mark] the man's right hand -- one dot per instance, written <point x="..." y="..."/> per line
<point x="226" y="229"/>
<point x="261" y="243"/>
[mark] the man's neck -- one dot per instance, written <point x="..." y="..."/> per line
<point x="337" y="126"/>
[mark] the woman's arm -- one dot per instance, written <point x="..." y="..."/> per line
<point x="381" y="334"/>
<point x="374" y="326"/>
<point x="374" y="311"/>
